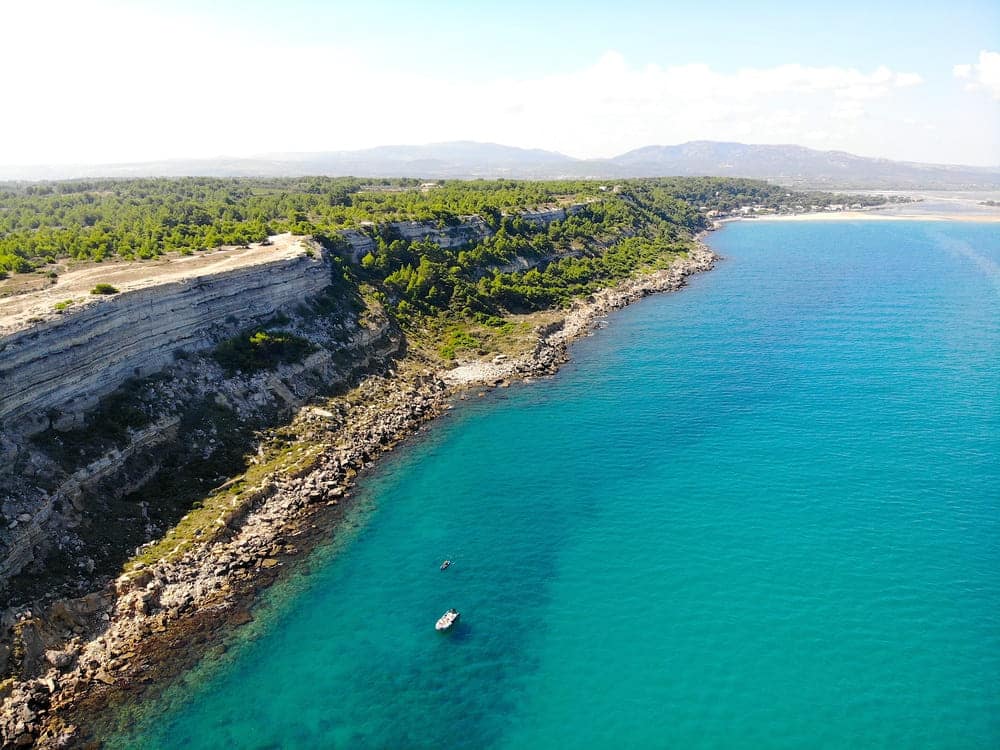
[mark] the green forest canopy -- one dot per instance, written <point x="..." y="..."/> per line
<point x="41" y="223"/>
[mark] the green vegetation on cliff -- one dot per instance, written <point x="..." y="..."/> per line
<point x="534" y="247"/>
<point x="261" y="349"/>
<point x="460" y="296"/>
<point x="41" y="223"/>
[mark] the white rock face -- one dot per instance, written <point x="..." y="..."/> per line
<point x="361" y="244"/>
<point x="66" y="363"/>
<point x="544" y="217"/>
<point x="53" y="369"/>
<point x="449" y="236"/>
<point x="69" y="362"/>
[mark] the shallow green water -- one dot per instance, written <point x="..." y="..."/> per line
<point x="762" y="512"/>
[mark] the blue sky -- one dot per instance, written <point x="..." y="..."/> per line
<point x="521" y="38"/>
<point x="588" y="79"/>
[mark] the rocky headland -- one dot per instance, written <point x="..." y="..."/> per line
<point x="94" y="638"/>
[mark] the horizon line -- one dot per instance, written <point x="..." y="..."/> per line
<point x="276" y="155"/>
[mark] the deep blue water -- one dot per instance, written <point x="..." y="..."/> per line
<point x="759" y="513"/>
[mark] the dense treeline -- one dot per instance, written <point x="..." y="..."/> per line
<point x="526" y="266"/>
<point x="100" y="219"/>
<point x="42" y="223"/>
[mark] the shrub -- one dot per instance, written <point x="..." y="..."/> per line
<point x="261" y="350"/>
<point x="106" y="426"/>
<point x="456" y="340"/>
<point x="103" y="288"/>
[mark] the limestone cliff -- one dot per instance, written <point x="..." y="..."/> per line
<point x="471" y="229"/>
<point x="61" y="471"/>
<point x="66" y="363"/>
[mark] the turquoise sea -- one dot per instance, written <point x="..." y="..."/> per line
<point x="763" y="512"/>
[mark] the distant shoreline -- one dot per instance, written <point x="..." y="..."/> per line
<point x="874" y="216"/>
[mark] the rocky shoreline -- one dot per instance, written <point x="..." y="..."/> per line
<point x="553" y="340"/>
<point x="87" y="655"/>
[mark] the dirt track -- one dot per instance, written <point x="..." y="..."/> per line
<point x="18" y="310"/>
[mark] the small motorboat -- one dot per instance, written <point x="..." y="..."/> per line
<point x="448" y="619"/>
<point x="445" y="564"/>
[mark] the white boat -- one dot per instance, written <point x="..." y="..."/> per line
<point x="448" y="619"/>
<point x="445" y="565"/>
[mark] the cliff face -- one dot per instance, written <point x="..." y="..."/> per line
<point x="52" y="502"/>
<point x="449" y="236"/>
<point x="360" y="244"/>
<point x="56" y="369"/>
<point x="471" y="229"/>
<point x="67" y="363"/>
<point x="54" y="372"/>
<point x="55" y="479"/>
<point x="544" y="216"/>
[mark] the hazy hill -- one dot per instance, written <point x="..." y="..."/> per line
<point x="452" y="159"/>
<point x="800" y="166"/>
<point x="793" y="165"/>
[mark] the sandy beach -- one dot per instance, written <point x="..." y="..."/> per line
<point x="930" y="206"/>
<point x="876" y="216"/>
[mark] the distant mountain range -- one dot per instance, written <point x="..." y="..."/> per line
<point x="789" y="165"/>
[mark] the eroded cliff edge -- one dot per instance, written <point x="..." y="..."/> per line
<point x="82" y="651"/>
<point x="57" y="368"/>
<point x="110" y="396"/>
<point x="67" y="455"/>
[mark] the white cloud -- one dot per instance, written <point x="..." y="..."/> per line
<point x="111" y="82"/>
<point x="583" y="110"/>
<point x="982" y="76"/>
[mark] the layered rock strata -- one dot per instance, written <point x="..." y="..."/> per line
<point x="53" y="372"/>
<point x="470" y="229"/>
<point x="66" y="363"/>
<point x="195" y="408"/>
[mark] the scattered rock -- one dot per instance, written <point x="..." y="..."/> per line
<point x="60" y="659"/>
<point x="103" y="677"/>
